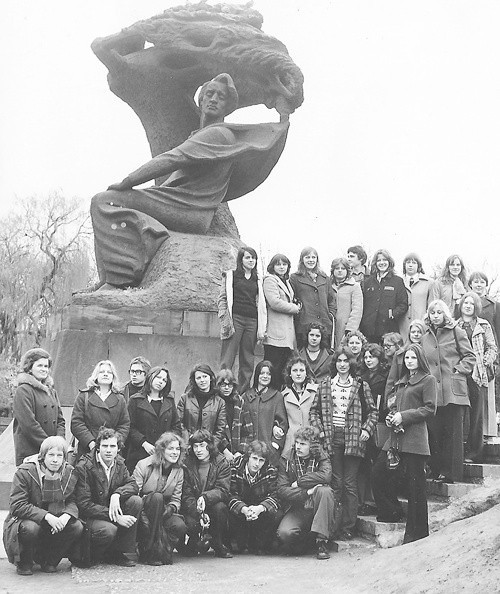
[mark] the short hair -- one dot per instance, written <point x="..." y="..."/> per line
<point x="202" y="368"/>
<point x="301" y="269"/>
<point x="259" y="448"/>
<point x="448" y="318"/>
<point x="54" y="441"/>
<point x="481" y="275"/>
<point x="394" y="338"/>
<point x="276" y="259"/>
<point x="387" y="256"/>
<point x="375" y="350"/>
<point x="347" y="337"/>
<point x="258" y="368"/>
<point x="446" y="276"/>
<point x="142" y="361"/>
<point x="416" y="257"/>
<point x="309" y="434"/>
<point x="342" y="350"/>
<point x="478" y="306"/>
<point x="32" y="356"/>
<point x="233" y="98"/>
<point x="293" y="360"/>
<point x="324" y="333"/>
<point x="161" y="444"/>
<point x="419" y="323"/>
<point x="92" y="381"/>
<point x="225" y="375"/>
<point x="239" y="260"/>
<point x="340" y="262"/>
<point x="360" y="252"/>
<point x="150" y="376"/>
<point x="202" y="435"/>
<point x="108" y="433"/>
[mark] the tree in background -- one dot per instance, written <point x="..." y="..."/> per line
<point x="46" y="255"/>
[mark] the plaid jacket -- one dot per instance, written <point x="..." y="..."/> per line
<point x="361" y="414"/>
<point x="262" y="492"/>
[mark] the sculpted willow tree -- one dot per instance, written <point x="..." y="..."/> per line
<point x="156" y="66"/>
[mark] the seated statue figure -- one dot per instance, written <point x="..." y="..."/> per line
<point x="217" y="163"/>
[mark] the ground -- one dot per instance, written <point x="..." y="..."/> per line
<point x="463" y="557"/>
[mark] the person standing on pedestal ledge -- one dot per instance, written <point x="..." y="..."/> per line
<point x="138" y="368"/>
<point x="217" y="163"/>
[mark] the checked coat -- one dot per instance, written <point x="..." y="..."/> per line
<point x="361" y="414"/>
<point x="261" y="492"/>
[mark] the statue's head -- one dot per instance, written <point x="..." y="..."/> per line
<point x="232" y="94"/>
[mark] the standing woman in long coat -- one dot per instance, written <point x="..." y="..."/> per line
<point x="349" y="299"/>
<point x="313" y="290"/>
<point x="37" y="411"/>
<point x="418" y="287"/>
<point x="451" y="285"/>
<point x="99" y="405"/>
<point x="279" y="340"/>
<point x="451" y="360"/>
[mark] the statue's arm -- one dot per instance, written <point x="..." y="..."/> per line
<point x="159" y="166"/>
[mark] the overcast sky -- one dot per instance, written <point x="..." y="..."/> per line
<point x="395" y="146"/>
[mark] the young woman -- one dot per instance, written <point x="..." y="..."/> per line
<point x="413" y="404"/>
<point x="264" y="412"/>
<point x="415" y="333"/>
<point x="481" y="383"/>
<point x="391" y="343"/>
<point x="314" y="291"/>
<point x="160" y="477"/>
<point x="200" y="407"/>
<point x="349" y="299"/>
<point x="451" y="359"/>
<point x="316" y="352"/>
<point x="43" y="517"/>
<point x="227" y="389"/>
<point x="344" y="412"/>
<point x="37" y="411"/>
<point x="152" y="411"/>
<point x="100" y="404"/>
<point x="451" y="285"/>
<point x="242" y="315"/>
<point x="298" y="395"/>
<point x="354" y="341"/>
<point x="479" y="282"/>
<point x="418" y="289"/>
<point x="279" y="341"/>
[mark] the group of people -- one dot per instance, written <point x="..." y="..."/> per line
<point x="343" y="416"/>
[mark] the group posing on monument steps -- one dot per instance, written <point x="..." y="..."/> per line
<point x="370" y="384"/>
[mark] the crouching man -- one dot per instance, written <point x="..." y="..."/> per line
<point x="107" y="498"/>
<point x="205" y="495"/>
<point x="254" y="508"/>
<point x="304" y="492"/>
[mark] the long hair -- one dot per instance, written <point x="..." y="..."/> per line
<point x="445" y="309"/>
<point x="226" y="375"/>
<point x="92" y="381"/>
<point x="387" y="256"/>
<point x="423" y="363"/>
<point x="340" y="262"/>
<point x="377" y="351"/>
<point x="293" y="360"/>
<point x="478" y="306"/>
<point x="301" y="269"/>
<point x="150" y="376"/>
<point x="445" y="274"/>
<point x="420" y="324"/>
<point x="343" y="350"/>
<point x="199" y="436"/>
<point x="54" y="441"/>
<point x="258" y="369"/>
<point x="203" y="368"/>
<point x="239" y="262"/>
<point x="161" y="444"/>
<point x="276" y="259"/>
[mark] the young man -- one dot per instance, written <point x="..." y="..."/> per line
<point x="254" y="507"/>
<point x="304" y="491"/>
<point x="206" y="491"/>
<point x="138" y="368"/>
<point x="107" y="499"/>
<point x="357" y="257"/>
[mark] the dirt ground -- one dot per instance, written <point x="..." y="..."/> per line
<point x="463" y="557"/>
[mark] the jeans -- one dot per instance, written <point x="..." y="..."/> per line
<point x="243" y="340"/>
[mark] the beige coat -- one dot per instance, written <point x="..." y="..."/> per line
<point x="297" y="412"/>
<point x="280" y="331"/>
<point x="349" y="308"/>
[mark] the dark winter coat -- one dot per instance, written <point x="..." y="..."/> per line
<point x="491" y="313"/>
<point x="216" y="489"/>
<point x="213" y="416"/>
<point x="384" y="303"/>
<point x="321" y="365"/>
<point x="93" y="492"/>
<point x="146" y="425"/>
<point x="37" y="415"/>
<point x="360" y="400"/>
<point x="261" y="492"/>
<point x="25" y="502"/>
<point x="90" y="413"/>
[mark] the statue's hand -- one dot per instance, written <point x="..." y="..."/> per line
<point x="123" y="185"/>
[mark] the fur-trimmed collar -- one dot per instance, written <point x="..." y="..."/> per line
<point x="27" y="378"/>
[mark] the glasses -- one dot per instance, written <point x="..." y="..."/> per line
<point x="386" y="347"/>
<point x="225" y="384"/>
<point x="136" y="372"/>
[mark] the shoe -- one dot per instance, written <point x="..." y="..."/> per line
<point x="322" y="550"/>
<point x="122" y="560"/>
<point x="346" y="535"/>
<point x="222" y="552"/>
<point x="49" y="568"/>
<point x="23" y="569"/>
<point x="154" y="562"/>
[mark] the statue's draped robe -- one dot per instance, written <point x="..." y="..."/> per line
<point x="216" y="164"/>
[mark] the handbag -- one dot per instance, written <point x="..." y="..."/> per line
<point x="393" y="459"/>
